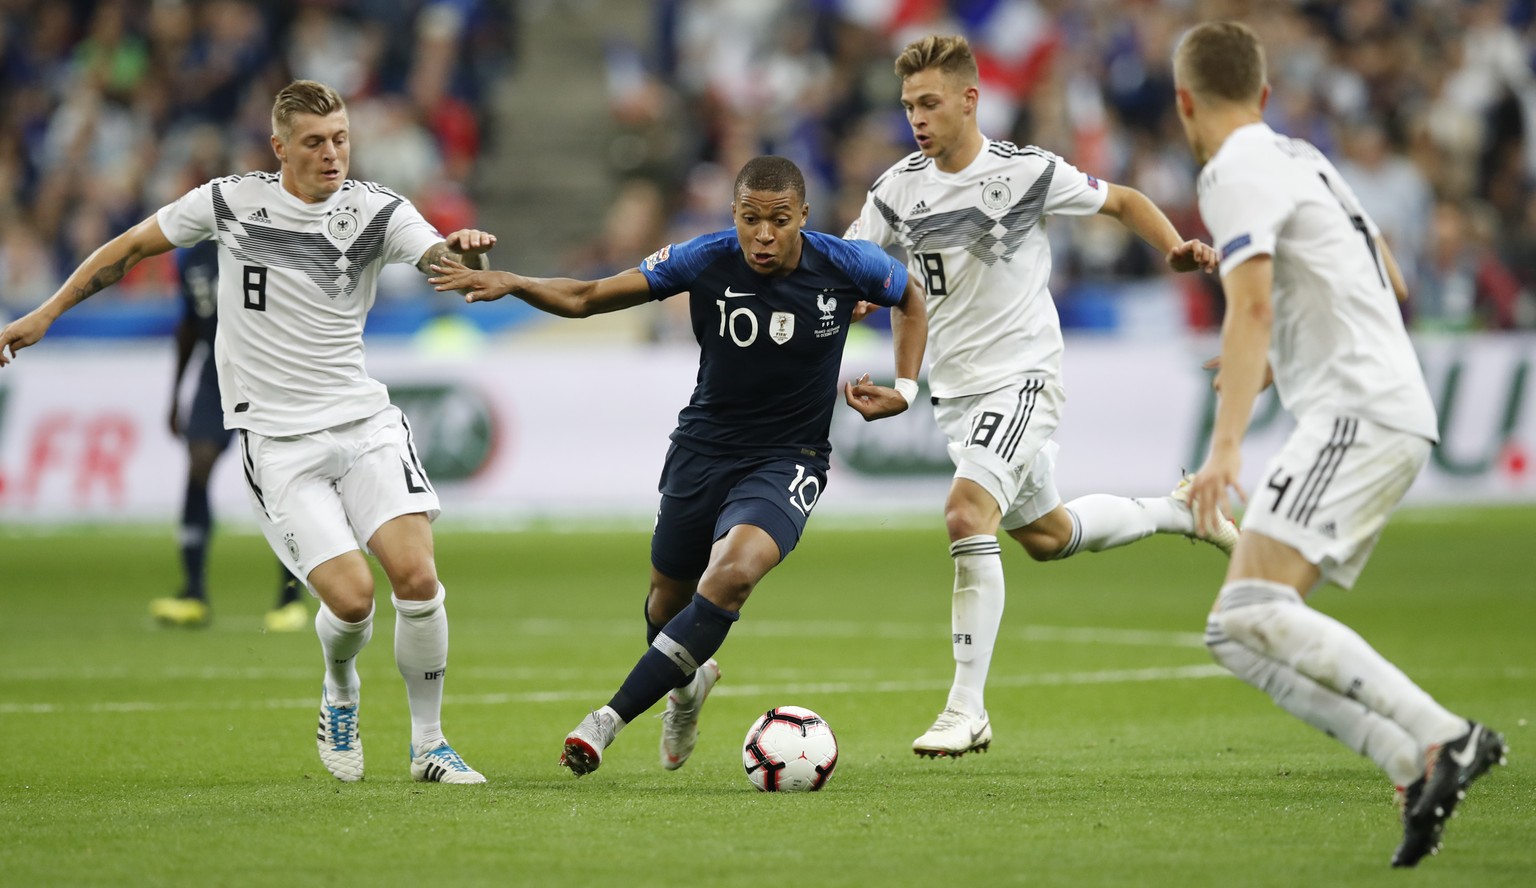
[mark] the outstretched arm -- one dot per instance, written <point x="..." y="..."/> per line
<point x="909" y="330"/>
<point x="100" y="270"/>
<point x="1245" y="335"/>
<point x="466" y="246"/>
<point x="1137" y="212"/>
<point x="565" y="297"/>
<point x="1394" y="273"/>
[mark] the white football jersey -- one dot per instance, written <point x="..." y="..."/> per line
<point x="1339" y="346"/>
<point x="296" y="281"/>
<point x="976" y="240"/>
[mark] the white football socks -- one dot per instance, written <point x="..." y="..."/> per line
<point x="1377" y="738"/>
<point x="1324" y="673"/>
<point x="421" y="653"/>
<point x="977" y="613"/>
<point x="1105" y="521"/>
<point x="341" y="642"/>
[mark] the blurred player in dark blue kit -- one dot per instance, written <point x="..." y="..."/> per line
<point x="771" y="305"/>
<point x="198" y="272"/>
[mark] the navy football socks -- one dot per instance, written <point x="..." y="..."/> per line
<point x="688" y="639"/>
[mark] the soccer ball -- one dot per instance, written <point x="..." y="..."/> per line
<point x="789" y="749"/>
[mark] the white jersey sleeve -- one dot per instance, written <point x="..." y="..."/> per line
<point x="410" y="235"/>
<point x="190" y="219"/>
<point x="1244" y="214"/>
<point x="1072" y="191"/>
<point x="871" y="225"/>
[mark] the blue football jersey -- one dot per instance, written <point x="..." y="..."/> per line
<point x="770" y="348"/>
<point x="197" y="269"/>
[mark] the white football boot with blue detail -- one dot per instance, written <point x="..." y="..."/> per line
<point x="441" y="764"/>
<point x="341" y="746"/>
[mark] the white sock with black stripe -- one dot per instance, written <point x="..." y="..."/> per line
<point x="1287" y="641"/>
<point x="977" y="612"/>
<point x="1102" y="521"/>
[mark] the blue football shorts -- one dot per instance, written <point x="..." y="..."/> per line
<point x="703" y="497"/>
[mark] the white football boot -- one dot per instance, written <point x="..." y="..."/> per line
<point x="954" y="734"/>
<point x="680" y="721"/>
<point x="584" y="746"/>
<point x="341" y="746"/>
<point x="441" y="764"/>
<point x="1225" y="535"/>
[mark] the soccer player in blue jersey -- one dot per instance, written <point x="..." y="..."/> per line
<point x="771" y="305"/>
<point x="197" y="269"/>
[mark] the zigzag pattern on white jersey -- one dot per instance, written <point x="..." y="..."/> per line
<point x="296" y="280"/>
<point x="311" y="252"/>
<point x="976" y="240"/>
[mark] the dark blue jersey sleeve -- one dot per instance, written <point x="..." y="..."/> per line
<point x="881" y="279"/>
<point x="673" y="268"/>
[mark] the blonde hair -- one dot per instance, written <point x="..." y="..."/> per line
<point x="949" y="54"/>
<point x="303" y="97"/>
<point x="1222" y="61"/>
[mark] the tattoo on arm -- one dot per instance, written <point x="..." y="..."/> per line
<point x="432" y="256"/>
<point x="439" y="251"/>
<point x="102" y="279"/>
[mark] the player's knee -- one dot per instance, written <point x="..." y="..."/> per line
<point x="345" y="584"/>
<point x="350" y="603"/>
<point x="963" y="519"/>
<point x="665" y="602"/>
<point x="728" y="584"/>
<point x="1245" y="613"/>
<point x="416" y="582"/>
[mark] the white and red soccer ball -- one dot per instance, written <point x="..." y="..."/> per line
<point x="789" y="749"/>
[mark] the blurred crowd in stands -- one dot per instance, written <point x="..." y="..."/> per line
<point x="109" y="109"/>
<point x="1427" y="106"/>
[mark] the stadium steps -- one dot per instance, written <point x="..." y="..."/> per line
<point x="546" y="186"/>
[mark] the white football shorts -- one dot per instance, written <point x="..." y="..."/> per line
<point x="1002" y="441"/>
<point x="323" y="494"/>
<point x="1330" y="490"/>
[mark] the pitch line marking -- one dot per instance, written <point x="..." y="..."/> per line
<point x="1048" y="679"/>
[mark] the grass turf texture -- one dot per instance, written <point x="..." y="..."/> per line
<point x="139" y="755"/>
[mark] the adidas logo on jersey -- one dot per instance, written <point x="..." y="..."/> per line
<point x="920" y="209"/>
<point x="260" y="216"/>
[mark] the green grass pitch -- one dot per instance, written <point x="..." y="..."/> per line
<point x="135" y="755"/>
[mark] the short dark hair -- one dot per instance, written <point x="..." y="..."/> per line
<point x="1222" y="61"/>
<point x="770" y="172"/>
<point x="949" y="54"/>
